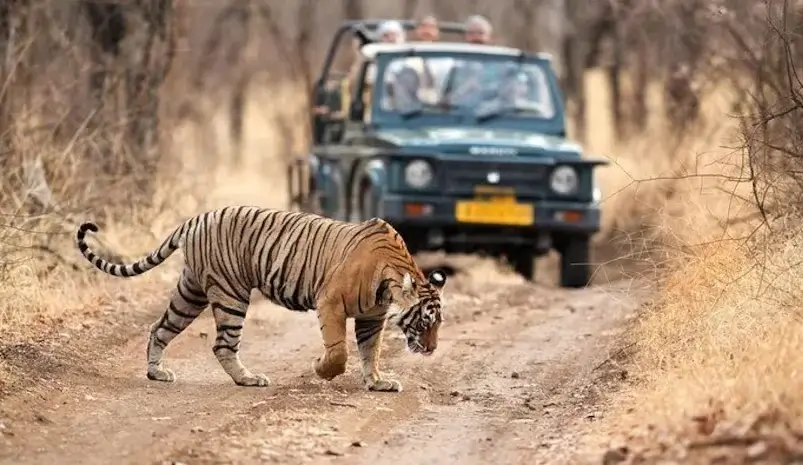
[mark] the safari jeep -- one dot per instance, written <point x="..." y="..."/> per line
<point x="488" y="170"/>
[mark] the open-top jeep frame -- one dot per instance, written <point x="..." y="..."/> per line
<point x="510" y="186"/>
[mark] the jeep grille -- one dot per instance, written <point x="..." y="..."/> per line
<point x="529" y="180"/>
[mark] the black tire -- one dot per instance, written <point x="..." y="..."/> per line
<point x="523" y="262"/>
<point x="575" y="269"/>
<point x="368" y="207"/>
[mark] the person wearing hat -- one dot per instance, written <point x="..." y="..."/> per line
<point x="391" y="32"/>
<point x="388" y="32"/>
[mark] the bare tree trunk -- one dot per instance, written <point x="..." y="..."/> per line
<point x="614" y="80"/>
<point x="639" y="115"/>
<point x="524" y="13"/>
<point x="19" y="57"/>
<point x="144" y="77"/>
<point x="353" y="9"/>
<point x="574" y="57"/>
<point x="408" y="9"/>
<point x="296" y="52"/>
<point x="304" y="39"/>
<point x="107" y="28"/>
<point x="241" y="16"/>
<point x="472" y="5"/>
<point x="237" y="116"/>
<point x="214" y="41"/>
<point x="601" y="28"/>
<point x="6" y="143"/>
<point x="176" y="85"/>
<point x="796" y="41"/>
<point x="682" y="102"/>
<point x="788" y="36"/>
<point x="146" y="61"/>
<point x="445" y="11"/>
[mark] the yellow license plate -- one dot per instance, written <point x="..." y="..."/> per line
<point x="497" y="211"/>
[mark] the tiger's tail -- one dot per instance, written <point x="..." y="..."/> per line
<point x="143" y="265"/>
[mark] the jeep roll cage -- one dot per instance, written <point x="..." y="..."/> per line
<point x="365" y="31"/>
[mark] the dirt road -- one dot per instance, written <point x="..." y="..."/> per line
<point x="512" y="380"/>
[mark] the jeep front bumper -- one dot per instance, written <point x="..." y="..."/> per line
<point x="433" y="222"/>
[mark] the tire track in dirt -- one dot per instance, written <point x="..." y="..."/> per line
<point x="520" y="348"/>
<point x="113" y="411"/>
<point x="464" y="404"/>
<point x="521" y="399"/>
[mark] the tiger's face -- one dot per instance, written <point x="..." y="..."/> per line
<point x="419" y="314"/>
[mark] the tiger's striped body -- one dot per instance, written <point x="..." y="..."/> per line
<point x="300" y="261"/>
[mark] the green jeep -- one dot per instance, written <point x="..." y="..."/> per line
<point x="466" y="155"/>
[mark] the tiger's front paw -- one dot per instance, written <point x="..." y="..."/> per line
<point x="328" y="371"/>
<point x="384" y="385"/>
<point x="253" y="380"/>
<point x="160" y="373"/>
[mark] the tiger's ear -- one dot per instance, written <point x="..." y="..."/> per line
<point x="407" y="285"/>
<point x="437" y="278"/>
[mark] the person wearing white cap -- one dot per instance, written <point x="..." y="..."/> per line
<point x="392" y="32"/>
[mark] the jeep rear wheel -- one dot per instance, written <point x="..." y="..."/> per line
<point x="575" y="269"/>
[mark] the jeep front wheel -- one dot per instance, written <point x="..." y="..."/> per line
<point x="575" y="269"/>
<point x="368" y="207"/>
<point x="523" y="262"/>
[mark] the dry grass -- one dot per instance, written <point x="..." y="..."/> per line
<point x="715" y="369"/>
<point x="42" y="293"/>
<point x="730" y="329"/>
<point x="717" y="357"/>
<point x="665" y="194"/>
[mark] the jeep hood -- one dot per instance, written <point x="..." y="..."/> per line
<point x="480" y="141"/>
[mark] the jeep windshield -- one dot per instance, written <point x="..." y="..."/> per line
<point x="480" y="86"/>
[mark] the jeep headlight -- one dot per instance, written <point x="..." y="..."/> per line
<point x="418" y="174"/>
<point x="563" y="180"/>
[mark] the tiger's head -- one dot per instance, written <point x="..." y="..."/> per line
<point x="418" y="312"/>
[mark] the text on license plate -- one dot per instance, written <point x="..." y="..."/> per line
<point x="499" y="211"/>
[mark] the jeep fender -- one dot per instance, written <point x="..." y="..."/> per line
<point x="326" y="179"/>
<point x="370" y="173"/>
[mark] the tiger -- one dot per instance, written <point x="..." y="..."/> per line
<point x="300" y="261"/>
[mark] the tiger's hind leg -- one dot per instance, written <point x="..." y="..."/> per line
<point x="229" y="319"/>
<point x="187" y="301"/>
